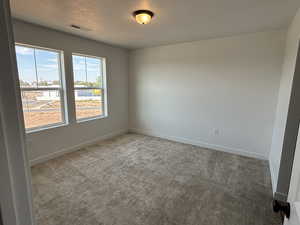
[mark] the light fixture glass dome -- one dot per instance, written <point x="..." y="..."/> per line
<point x="143" y="16"/>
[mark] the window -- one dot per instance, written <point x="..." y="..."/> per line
<point x="41" y="86"/>
<point x="89" y="86"/>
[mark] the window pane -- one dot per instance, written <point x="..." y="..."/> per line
<point x="26" y="66"/>
<point x="41" y="108"/>
<point x="88" y="103"/>
<point x="40" y="68"/>
<point x="94" y="72"/>
<point x="87" y="71"/>
<point x="79" y="70"/>
<point x="47" y="64"/>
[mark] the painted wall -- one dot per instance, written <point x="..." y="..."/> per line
<point x="288" y="70"/>
<point x="48" y="142"/>
<point x="218" y="93"/>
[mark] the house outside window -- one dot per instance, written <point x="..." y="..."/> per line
<point x="89" y="87"/>
<point x="42" y="89"/>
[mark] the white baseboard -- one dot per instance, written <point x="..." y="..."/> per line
<point x="53" y="155"/>
<point x="200" y="143"/>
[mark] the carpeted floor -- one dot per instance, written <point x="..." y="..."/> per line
<point x="141" y="180"/>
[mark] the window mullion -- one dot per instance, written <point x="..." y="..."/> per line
<point x="87" y="88"/>
<point x="41" y="89"/>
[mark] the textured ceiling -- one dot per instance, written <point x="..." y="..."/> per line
<point x="175" y="21"/>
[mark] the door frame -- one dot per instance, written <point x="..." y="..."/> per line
<point x="290" y="135"/>
<point x="294" y="191"/>
<point x="15" y="188"/>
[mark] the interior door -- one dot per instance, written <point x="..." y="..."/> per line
<point x="294" y="191"/>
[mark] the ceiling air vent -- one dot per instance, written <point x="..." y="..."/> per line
<point x="75" y="26"/>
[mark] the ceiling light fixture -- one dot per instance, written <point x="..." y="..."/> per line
<point x="143" y="16"/>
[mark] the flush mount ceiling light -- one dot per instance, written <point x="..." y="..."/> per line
<point x="143" y="16"/>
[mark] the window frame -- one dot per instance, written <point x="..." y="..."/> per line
<point x="61" y="89"/>
<point x="104" y="103"/>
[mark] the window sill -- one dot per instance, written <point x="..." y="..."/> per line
<point x="39" y="129"/>
<point x="57" y="125"/>
<point x="91" y="119"/>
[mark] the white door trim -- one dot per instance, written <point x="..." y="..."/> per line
<point x="15" y="188"/>
<point x="294" y="191"/>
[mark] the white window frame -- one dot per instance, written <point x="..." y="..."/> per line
<point x="60" y="89"/>
<point x="103" y="89"/>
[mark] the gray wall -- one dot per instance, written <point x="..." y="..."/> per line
<point x="288" y="71"/>
<point x="49" y="142"/>
<point x="218" y="93"/>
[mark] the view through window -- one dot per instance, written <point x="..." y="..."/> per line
<point x="41" y="88"/>
<point x="88" y="86"/>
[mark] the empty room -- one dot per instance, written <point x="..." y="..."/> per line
<point x="143" y="112"/>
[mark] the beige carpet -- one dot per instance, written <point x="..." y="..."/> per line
<point x="141" y="180"/>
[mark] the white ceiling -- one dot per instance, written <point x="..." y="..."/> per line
<point x="175" y="21"/>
